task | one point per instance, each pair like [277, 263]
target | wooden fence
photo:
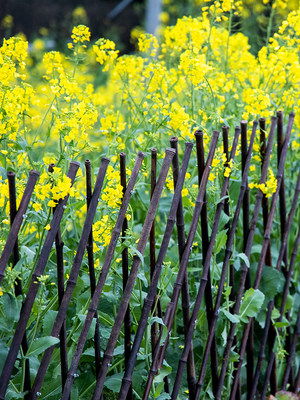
[257, 385]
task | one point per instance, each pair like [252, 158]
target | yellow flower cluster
[80, 34]
[52, 186]
[147, 43]
[113, 192]
[101, 232]
[105, 52]
[269, 187]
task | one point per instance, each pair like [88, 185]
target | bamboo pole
[59, 244]
[204, 277]
[265, 245]
[191, 377]
[149, 300]
[280, 258]
[205, 244]
[34, 285]
[244, 269]
[112, 341]
[16, 225]
[90, 253]
[272, 356]
[171, 308]
[71, 283]
[11, 177]
[127, 318]
[228, 253]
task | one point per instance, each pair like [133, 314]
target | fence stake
[107, 357]
[13, 234]
[34, 285]
[127, 318]
[228, 252]
[272, 357]
[72, 279]
[271, 303]
[204, 277]
[91, 263]
[191, 377]
[107, 261]
[16, 257]
[244, 269]
[59, 244]
[149, 300]
[264, 244]
[171, 308]
[205, 244]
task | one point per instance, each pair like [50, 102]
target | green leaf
[10, 308]
[281, 324]
[220, 241]
[244, 258]
[272, 282]
[137, 253]
[41, 344]
[165, 370]
[48, 322]
[114, 381]
[232, 317]
[251, 304]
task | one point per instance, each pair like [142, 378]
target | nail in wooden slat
[34, 285]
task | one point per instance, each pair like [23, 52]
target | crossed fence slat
[176, 213]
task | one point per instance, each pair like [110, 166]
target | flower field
[91, 102]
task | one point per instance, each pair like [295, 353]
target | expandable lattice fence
[257, 384]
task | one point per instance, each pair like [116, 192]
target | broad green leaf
[41, 344]
[244, 258]
[281, 324]
[48, 322]
[10, 308]
[114, 381]
[158, 389]
[165, 370]
[251, 304]
[272, 282]
[232, 317]
[220, 241]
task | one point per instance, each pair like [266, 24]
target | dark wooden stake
[205, 244]
[244, 268]
[191, 376]
[264, 245]
[282, 251]
[125, 273]
[34, 285]
[90, 253]
[71, 283]
[16, 225]
[171, 307]
[11, 177]
[204, 277]
[149, 300]
[59, 244]
[228, 253]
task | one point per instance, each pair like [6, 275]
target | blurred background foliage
[122, 21]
